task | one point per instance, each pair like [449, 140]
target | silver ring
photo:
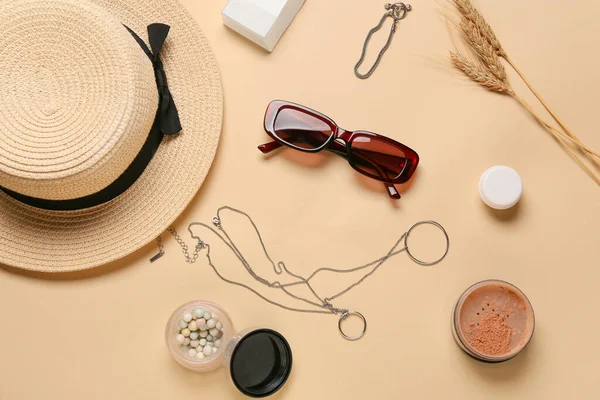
[346, 315]
[426, 262]
[399, 10]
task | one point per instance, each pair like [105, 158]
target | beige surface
[99, 335]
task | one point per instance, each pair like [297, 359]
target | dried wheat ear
[486, 69]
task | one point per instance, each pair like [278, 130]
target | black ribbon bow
[167, 112]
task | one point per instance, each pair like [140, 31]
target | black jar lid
[261, 363]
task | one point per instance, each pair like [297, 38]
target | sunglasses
[373, 155]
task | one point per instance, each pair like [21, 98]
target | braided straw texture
[81, 98]
[57, 241]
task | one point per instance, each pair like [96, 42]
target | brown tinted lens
[377, 158]
[301, 129]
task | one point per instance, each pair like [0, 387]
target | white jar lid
[500, 187]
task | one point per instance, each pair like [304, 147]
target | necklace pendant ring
[346, 315]
[415, 259]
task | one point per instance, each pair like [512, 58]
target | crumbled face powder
[491, 335]
[494, 319]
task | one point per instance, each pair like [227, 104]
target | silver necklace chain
[322, 305]
[395, 11]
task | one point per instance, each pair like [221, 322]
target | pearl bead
[214, 350]
[194, 335]
[187, 317]
[219, 325]
[207, 315]
[214, 332]
[198, 313]
[182, 324]
[180, 339]
[186, 341]
[200, 355]
[208, 350]
[193, 326]
[219, 335]
[210, 338]
[211, 323]
[192, 352]
[204, 328]
[185, 332]
[201, 322]
[203, 334]
[194, 343]
[217, 343]
[203, 342]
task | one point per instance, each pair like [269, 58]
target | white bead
[207, 315]
[192, 352]
[208, 350]
[186, 341]
[204, 328]
[185, 332]
[217, 343]
[187, 317]
[198, 312]
[182, 324]
[203, 342]
[219, 325]
[214, 350]
[180, 339]
[200, 355]
[211, 323]
[194, 335]
[201, 322]
[214, 332]
[194, 343]
[193, 326]
[203, 334]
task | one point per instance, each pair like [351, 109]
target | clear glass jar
[258, 361]
[180, 352]
[493, 321]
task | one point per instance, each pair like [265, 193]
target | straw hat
[93, 163]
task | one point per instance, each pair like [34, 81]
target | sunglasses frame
[333, 144]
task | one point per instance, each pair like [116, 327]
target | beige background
[99, 334]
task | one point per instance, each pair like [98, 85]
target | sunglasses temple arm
[269, 147]
[392, 191]
[389, 187]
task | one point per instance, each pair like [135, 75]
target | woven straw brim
[51, 241]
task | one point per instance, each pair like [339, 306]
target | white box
[262, 21]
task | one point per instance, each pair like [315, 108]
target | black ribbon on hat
[166, 122]
[167, 112]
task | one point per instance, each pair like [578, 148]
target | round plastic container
[180, 352]
[258, 361]
[493, 321]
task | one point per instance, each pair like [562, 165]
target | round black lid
[261, 363]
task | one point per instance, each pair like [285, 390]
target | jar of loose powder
[493, 321]
[201, 337]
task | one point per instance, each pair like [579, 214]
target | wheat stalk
[491, 74]
[482, 48]
[479, 74]
[470, 13]
[489, 80]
